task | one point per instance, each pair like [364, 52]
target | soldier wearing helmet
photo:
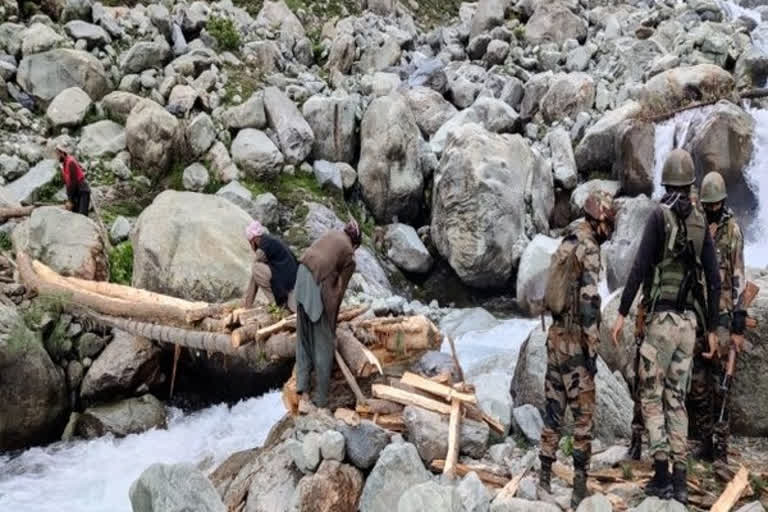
[675, 250]
[573, 338]
[706, 397]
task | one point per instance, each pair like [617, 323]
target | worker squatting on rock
[574, 300]
[274, 268]
[706, 398]
[675, 250]
[324, 273]
[78, 191]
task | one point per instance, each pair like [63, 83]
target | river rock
[333, 123]
[432, 363]
[489, 14]
[332, 446]
[634, 157]
[533, 272]
[430, 109]
[32, 388]
[102, 139]
[529, 422]
[595, 503]
[335, 487]
[342, 53]
[182, 100]
[755, 506]
[429, 432]
[533, 91]
[390, 164]
[569, 94]
[613, 413]
[249, 114]
[672, 89]
[406, 250]
[398, 469]
[751, 69]
[619, 252]
[327, 175]
[39, 38]
[430, 496]
[125, 365]
[494, 115]
[131, 416]
[170, 241]
[144, 55]
[477, 186]
[200, 134]
[153, 138]
[195, 177]
[492, 390]
[277, 15]
[67, 242]
[90, 345]
[504, 503]
[563, 162]
[723, 143]
[554, 22]
[256, 154]
[596, 151]
[292, 130]
[465, 84]
[45, 75]
[364, 443]
[11, 167]
[380, 55]
[93, 35]
[27, 187]
[473, 494]
[68, 108]
[174, 488]
[657, 505]
[118, 105]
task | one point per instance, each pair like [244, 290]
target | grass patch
[225, 33]
[567, 446]
[626, 472]
[121, 264]
[45, 194]
[241, 82]
[5, 241]
[252, 7]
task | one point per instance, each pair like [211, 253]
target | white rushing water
[94, 476]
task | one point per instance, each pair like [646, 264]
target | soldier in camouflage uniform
[572, 342]
[676, 248]
[706, 397]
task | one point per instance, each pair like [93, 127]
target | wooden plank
[350, 378]
[456, 359]
[510, 489]
[732, 491]
[474, 412]
[376, 405]
[462, 469]
[406, 398]
[454, 427]
[446, 392]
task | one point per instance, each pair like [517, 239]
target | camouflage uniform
[706, 397]
[571, 349]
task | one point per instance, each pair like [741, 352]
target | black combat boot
[545, 476]
[705, 451]
[579, 486]
[680, 483]
[660, 486]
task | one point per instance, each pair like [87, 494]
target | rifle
[636, 447]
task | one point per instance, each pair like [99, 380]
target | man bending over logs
[324, 273]
[274, 268]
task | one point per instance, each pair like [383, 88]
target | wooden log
[216, 324]
[441, 390]
[406, 398]
[349, 378]
[254, 332]
[354, 353]
[732, 492]
[477, 414]
[462, 469]
[13, 212]
[379, 406]
[212, 310]
[456, 359]
[510, 489]
[454, 426]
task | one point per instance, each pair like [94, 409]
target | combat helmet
[713, 188]
[678, 169]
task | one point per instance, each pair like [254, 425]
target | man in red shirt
[78, 191]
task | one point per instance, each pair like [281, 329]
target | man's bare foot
[305, 405]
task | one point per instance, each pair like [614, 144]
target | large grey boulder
[596, 150]
[277, 15]
[473, 494]
[390, 171]
[195, 177]
[221, 163]
[174, 488]
[430, 496]
[171, 242]
[153, 137]
[118, 105]
[671, 89]
[125, 365]
[333, 122]
[635, 157]
[528, 422]
[477, 202]
[554, 22]
[102, 139]
[256, 154]
[430, 109]
[533, 272]
[32, 388]
[292, 130]
[145, 55]
[535, 89]
[406, 250]
[659, 505]
[380, 55]
[200, 134]
[45, 75]
[364, 442]
[27, 187]
[67, 242]
[39, 38]
[398, 469]
[269, 480]
[12, 167]
[492, 390]
[489, 14]
[68, 108]
[619, 252]
[327, 175]
[93, 35]
[504, 503]
[429, 432]
[613, 412]
[263, 207]
[130, 416]
[494, 115]
[563, 160]
[569, 94]
[249, 114]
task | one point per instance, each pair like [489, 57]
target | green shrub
[121, 263]
[5, 242]
[225, 33]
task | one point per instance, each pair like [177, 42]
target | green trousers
[314, 351]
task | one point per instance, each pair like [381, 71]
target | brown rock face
[336, 487]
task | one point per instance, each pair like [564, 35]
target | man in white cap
[78, 191]
[274, 269]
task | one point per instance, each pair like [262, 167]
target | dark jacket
[283, 265]
[331, 259]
